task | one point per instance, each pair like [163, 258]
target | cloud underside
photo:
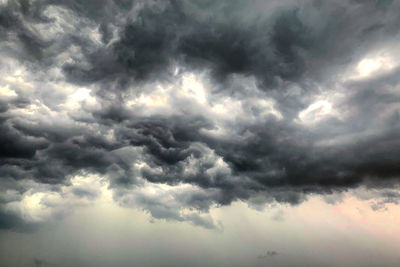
[202, 102]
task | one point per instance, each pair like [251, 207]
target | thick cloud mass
[213, 100]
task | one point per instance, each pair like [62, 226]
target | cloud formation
[210, 101]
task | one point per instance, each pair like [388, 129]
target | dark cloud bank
[293, 51]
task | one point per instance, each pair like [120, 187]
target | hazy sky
[199, 133]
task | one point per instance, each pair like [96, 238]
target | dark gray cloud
[11, 221]
[327, 129]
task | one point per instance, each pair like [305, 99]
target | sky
[199, 133]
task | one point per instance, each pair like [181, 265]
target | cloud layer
[182, 105]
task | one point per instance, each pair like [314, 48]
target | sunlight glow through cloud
[370, 66]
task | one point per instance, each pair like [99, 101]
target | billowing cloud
[184, 105]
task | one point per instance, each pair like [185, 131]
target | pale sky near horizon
[314, 233]
[199, 133]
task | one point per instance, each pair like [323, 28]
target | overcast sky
[199, 133]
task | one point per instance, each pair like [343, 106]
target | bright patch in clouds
[80, 96]
[6, 91]
[193, 88]
[316, 112]
[41, 203]
[372, 65]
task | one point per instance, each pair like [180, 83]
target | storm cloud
[208, 101]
